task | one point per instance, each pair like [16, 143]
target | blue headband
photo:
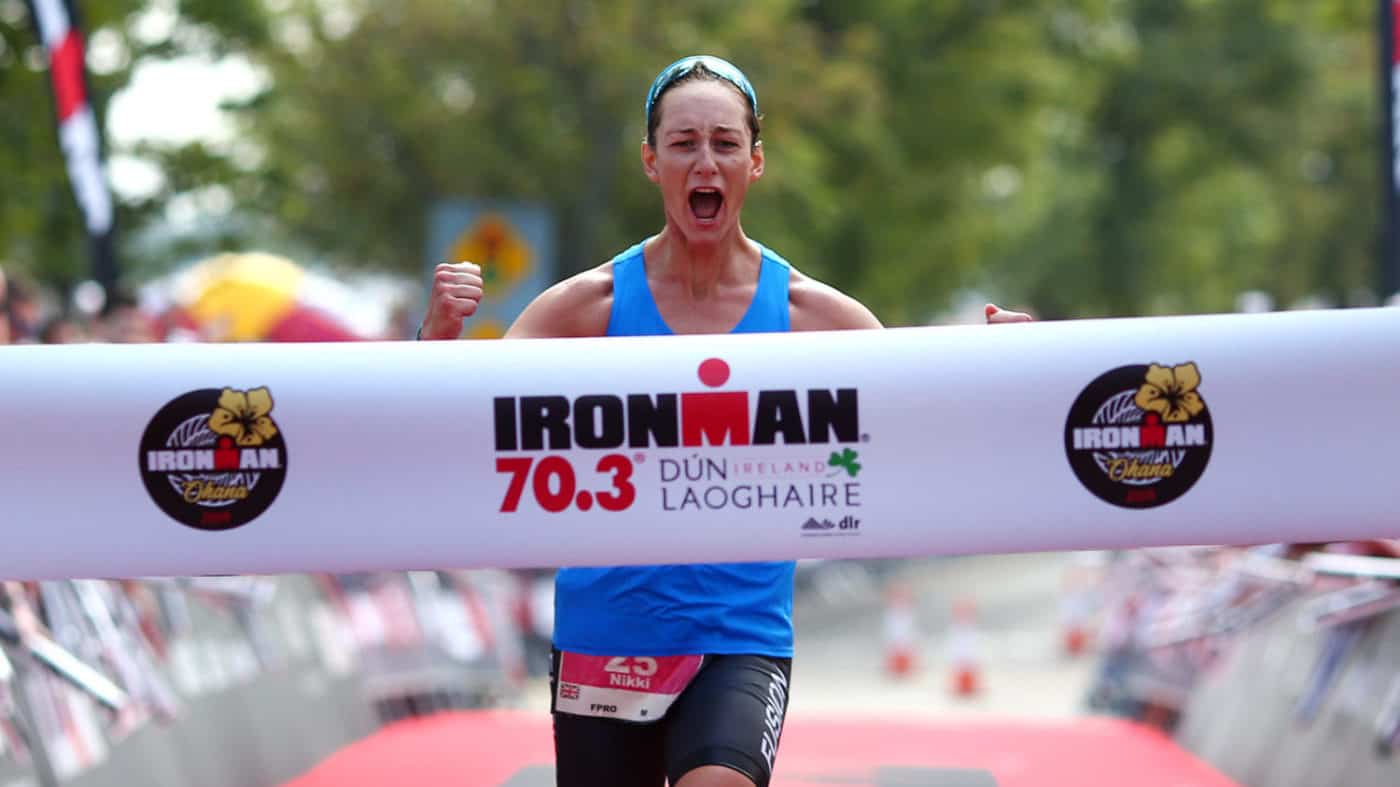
[721, 68]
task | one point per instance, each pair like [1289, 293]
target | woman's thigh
[730, 715]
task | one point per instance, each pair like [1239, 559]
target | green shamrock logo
[846, 459]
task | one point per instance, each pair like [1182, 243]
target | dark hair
[49, 333]
[696, 74]
[119, 298]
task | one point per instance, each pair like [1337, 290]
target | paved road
[839, 669]
[841, 646]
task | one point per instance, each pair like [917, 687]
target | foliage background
[1076, 157]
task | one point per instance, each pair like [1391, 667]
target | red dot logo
[714, 372]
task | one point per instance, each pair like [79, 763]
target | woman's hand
[457, 290]
[997, 315]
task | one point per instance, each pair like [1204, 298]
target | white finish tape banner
[197, 459]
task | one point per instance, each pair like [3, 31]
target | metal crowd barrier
[1280, 665]
[238, 681]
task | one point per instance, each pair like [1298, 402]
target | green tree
[1083, 158]
[372, 115]
[921, 189]
[1209, 148]
[41, 228]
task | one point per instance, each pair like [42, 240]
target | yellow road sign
[484, 329]
[501, 251]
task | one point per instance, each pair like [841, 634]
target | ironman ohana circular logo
[1140, 436]
[214, 459]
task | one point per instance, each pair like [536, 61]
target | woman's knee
[714, 776]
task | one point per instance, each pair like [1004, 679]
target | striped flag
[1389, 49]
[61, 35]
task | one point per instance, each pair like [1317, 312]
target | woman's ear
[649, 162]
[756, 169]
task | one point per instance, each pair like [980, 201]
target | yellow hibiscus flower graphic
[1171, 392]
[242, 415]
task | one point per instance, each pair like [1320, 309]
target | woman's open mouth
[705, 203]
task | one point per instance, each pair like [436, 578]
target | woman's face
[704, 159]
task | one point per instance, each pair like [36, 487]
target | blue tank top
[712, 608]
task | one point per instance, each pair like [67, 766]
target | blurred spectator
[403, 321]
[123, 322]
[63, 330]
[24, 311]
[4, 310]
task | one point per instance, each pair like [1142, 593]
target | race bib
[629, 688]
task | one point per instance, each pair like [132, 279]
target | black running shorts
[731, 715]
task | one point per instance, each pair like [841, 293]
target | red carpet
[496, 747]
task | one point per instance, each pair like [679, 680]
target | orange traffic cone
[901, 632]
[966, 678]
[1076, 607]
[1076, 640]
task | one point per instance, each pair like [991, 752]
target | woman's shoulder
[817, 306]
[596, 283]
[577, 306]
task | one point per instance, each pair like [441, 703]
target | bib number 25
[641, 666]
